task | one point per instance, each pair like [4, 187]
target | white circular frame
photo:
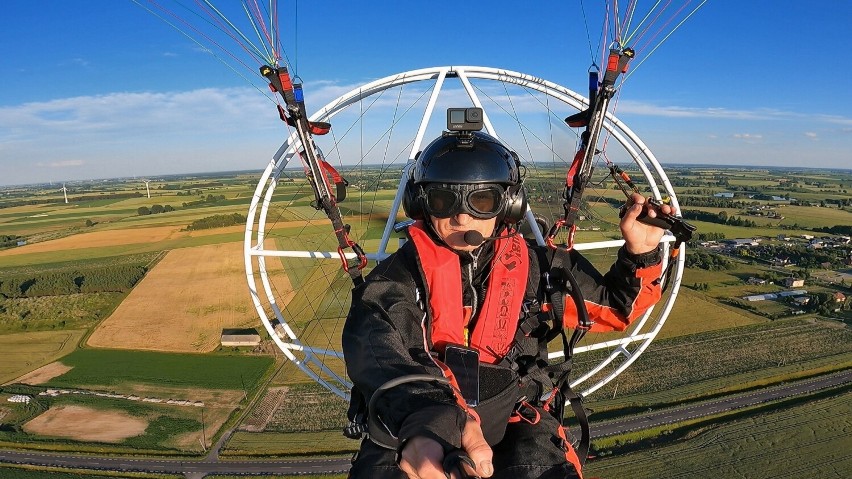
[312, 360]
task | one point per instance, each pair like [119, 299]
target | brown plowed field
[86, 424]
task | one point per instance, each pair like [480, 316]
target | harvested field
[98, 239]
[86, 424]
[24, 352]
[44, 374]
[183, 304]
[129, 236]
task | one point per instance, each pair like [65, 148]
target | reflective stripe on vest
[494, 330]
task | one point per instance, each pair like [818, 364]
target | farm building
[782, 294]
[724, 194]
[20, 398]
[793, 282]
[741, 242]
[793, 292]
[839, 297]
[760, 297]
[240, 337]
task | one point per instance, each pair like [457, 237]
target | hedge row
[118, 278]
[217, 221]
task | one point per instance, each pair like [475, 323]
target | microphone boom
[474, 238]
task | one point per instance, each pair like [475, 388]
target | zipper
[471, 268]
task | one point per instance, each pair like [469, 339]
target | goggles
[479, 201]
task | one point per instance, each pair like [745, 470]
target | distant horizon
[212, 173]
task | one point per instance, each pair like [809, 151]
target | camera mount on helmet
[462, 122]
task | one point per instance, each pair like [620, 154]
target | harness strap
[582, 446]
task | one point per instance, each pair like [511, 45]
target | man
[466, 289]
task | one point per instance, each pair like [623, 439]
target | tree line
[708, 261]
[720, 218]
[217, 221]
[118, 278]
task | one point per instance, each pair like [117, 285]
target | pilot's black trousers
[527, 451]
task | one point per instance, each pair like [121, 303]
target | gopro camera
[464, 119]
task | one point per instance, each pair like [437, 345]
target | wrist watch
[643, 260]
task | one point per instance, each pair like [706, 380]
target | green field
[714, 362]
[112, 367]
[804, 440]
[23, 472]
[272, 444]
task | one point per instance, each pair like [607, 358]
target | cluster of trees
[7, 241]
[720, 218]
[681, 181]
[845, 230]
[826, 203]
[217, 221]
[107, 196]
[824, 304]
[207, 200]
[709, 236]
[708, 261]
[180, 186]
[156, 209]
[712, 202]
[119, 278]
[798, 254]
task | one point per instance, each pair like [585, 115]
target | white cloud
[812, 135]
[62, 164]
[122, 134]
[750, 137]
[720, 113]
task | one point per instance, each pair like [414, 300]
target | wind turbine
[65, 193]
[147, 189]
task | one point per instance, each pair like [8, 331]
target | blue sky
[101, 88]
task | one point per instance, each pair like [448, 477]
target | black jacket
[387, 331]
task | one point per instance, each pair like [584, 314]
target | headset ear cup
[412, 201]
[516, 204]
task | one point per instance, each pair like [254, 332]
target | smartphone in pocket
[464, 363]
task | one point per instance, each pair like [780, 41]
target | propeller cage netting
[293, 268]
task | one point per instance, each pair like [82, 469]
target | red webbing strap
[339, 181]
[570, 454]
[572, 172]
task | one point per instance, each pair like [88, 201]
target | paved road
[727, 403]
[210, 465]
[178, 466]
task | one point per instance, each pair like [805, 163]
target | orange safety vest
[494, 330]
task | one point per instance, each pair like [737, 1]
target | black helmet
[470, 158]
